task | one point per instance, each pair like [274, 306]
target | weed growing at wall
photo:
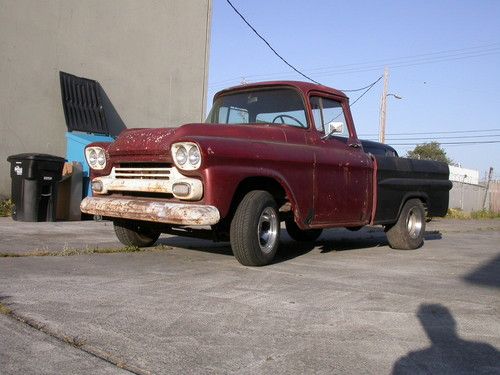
[454, 213]
[5, 207]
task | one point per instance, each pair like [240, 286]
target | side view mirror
[332, 128]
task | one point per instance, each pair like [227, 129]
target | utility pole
[383, 107]
[490, 175]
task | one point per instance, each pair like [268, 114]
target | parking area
[348, 304]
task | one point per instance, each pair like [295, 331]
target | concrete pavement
[350, 304]
[19, 237]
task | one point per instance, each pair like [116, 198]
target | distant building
[468, 176]
[151, 57]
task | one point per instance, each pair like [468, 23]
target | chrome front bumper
[147, 210]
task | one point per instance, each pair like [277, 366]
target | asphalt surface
[349, 305]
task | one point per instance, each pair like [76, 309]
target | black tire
[255, 229]
[300, 235]
[408, 232]
[133, 233]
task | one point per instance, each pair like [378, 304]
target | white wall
[151, 57]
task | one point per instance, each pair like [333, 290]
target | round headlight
[186, 155]
[181, 155]
[92, 157]
[96, 157]
[194, 155]
[101, 158]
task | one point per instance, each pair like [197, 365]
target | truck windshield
[266, 106]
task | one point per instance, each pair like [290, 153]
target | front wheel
[408, 232]
[255, 229]
[133, 233]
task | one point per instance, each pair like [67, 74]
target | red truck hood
[157, 141]
[147, 141]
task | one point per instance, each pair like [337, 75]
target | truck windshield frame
[276, 105]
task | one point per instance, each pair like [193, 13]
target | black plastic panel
[82, 104]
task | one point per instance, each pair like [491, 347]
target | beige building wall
[151, 58]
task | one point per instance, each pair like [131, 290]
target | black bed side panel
[399, 179]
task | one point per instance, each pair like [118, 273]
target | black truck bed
[399, 179]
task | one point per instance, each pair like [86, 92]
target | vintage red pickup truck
[268, 153]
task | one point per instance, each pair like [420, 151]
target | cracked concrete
[25, 350]
[350, 304]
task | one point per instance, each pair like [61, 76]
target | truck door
[343, 171]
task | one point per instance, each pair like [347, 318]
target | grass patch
[4, 309]
[485, 215]
[5, 207]
[455, 213]
[85, 251]
[93, 250]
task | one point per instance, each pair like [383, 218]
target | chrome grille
[143, 173]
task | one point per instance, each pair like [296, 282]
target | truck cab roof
[303, 87]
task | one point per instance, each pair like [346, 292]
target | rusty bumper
[147, 210]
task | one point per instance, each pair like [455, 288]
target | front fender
[222, 183]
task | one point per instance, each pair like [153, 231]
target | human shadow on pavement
[448, 353]
[487, 274]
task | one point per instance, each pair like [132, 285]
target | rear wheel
[255, 229]
[133, 233]
[408, 232]
[309, 235]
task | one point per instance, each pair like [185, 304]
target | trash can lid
[37, 157]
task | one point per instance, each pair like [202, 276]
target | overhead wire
[398, 62]
[366, 87]
[438, 138]
[290, 65]
[441, 132]
[269, 45]
[488, 48]
[369, 87]
[447, 143]
[456, 55]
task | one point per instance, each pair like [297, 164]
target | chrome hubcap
[414, 223]
[267, 231]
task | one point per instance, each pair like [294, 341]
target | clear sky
[443, 57]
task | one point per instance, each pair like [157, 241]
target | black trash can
[34, 186]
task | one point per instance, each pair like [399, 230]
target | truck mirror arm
[326, 136]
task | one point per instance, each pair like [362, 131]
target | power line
[447, 143]
[366, 87]
[270, 47]
[488, 48]
[401, 64]
[443, 132]
[397, 62]
[438, 138]
[363, 94]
